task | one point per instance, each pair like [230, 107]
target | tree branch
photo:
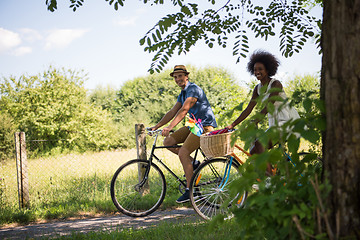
[323, 211]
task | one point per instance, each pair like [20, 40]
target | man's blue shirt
[201, 109]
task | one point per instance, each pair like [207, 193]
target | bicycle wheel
[132, 194]
[209, 188]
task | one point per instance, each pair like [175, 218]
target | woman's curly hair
[269, 60]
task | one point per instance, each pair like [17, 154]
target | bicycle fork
[225, 178]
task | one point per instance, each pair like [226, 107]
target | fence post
[22, 170]
[140, 136]
[140, 141]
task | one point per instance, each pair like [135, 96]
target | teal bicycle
[209, 187]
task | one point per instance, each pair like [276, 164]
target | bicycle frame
[233, 156]
[152, 156]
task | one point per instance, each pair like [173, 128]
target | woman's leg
[259, 148]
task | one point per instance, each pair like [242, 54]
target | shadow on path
[98, 224]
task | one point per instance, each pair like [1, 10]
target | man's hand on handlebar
[154, 130]
[151, 128]
[166, 131]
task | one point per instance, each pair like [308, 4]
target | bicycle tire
[128, 197]
[207, 197]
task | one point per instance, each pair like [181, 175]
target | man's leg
[191, 143]
[186, 161]
[177, 137]
[170, 141]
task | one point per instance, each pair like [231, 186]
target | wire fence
[58, 177]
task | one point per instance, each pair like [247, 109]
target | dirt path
[97, 224]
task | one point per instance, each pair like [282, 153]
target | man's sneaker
[185, 197]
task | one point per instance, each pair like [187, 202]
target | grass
[72, 185]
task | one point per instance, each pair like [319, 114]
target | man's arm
[181, 113]
[168, 116]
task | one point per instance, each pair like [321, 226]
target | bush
[53, 106]
[152, 96]
[7, 130]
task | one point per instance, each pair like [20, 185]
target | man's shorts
[190, 140]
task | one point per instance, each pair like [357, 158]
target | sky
[105, 43]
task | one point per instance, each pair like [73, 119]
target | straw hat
[179, 68]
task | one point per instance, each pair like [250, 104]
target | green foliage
[103, 97]
[153, 95]
[306, 98]
[287, 205]
[53, 106]
[213, 22]
[300, 85]
[149, 98]
[178, 32]
[51, 5]
[146, 99]
[3, 202]
[7, 130]
[313, 3]
[220, 88]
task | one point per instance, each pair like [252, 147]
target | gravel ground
[106, 223]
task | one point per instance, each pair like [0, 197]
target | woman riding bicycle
[192, 99]
[263, 65]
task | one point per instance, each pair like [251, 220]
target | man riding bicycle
[191, 99]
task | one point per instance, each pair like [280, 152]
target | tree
[146, 99]
[7, 130]
[340, 89]
[103, 97]
[53, 106]
[155, 94]
[176, 33]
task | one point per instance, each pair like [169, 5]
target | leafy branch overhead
[177, 32]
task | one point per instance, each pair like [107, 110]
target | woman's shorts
[190, 141]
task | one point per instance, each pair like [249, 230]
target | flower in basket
[194, 125]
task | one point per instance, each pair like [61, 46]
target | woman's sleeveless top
[283, 112]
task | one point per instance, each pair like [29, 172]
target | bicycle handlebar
[153, 132]
[156, 132]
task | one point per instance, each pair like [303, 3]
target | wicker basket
[216, 145]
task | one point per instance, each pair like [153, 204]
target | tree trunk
[340, 82]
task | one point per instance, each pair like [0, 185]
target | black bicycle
[138, 187]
